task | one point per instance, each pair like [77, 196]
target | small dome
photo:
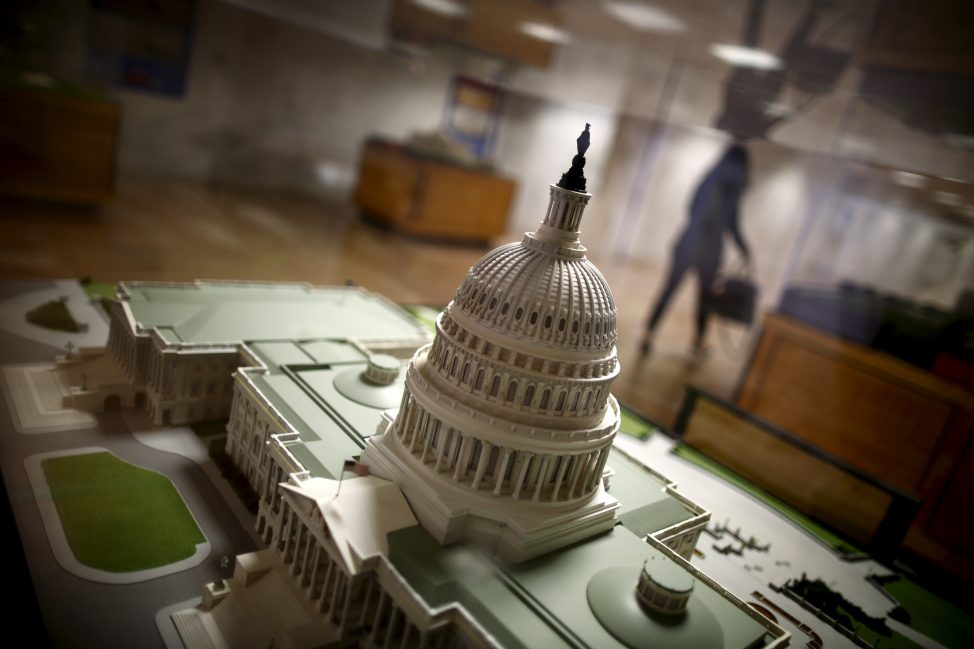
[380, 385]
[527, 292]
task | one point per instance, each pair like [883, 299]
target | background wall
[283, 95]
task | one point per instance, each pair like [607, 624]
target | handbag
[733, 297]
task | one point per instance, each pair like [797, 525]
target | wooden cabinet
[430, 198]
[886, 417]
[57, 145]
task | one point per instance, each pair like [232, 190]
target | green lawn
[104, 290]
[801, 520]
[932, 616]
[426, 315]
[119, 517]
[633, 424]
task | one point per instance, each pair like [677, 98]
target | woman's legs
[678, 268]
[706, 275]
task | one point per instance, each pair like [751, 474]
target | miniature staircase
[191, 629]
[35, 399]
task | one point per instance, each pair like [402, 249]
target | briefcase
[732, 297]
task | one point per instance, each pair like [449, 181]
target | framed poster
[141, 44]
[471, 114]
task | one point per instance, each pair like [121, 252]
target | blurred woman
[713, 212]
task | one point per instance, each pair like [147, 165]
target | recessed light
[544, 32]
[442, 7]
[947, 198]
[908, 179]
[645, 17]
[746, 57]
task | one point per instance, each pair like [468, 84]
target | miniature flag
[356, 467]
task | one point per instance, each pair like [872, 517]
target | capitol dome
[524, 291]
[506, 420]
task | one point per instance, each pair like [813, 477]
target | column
[434, 429]
[323, 602]
[482, 464]
[581, 461]
[502, 470]
[463, 458]
[525, 460]
[542, 477]
[368, 597]
[393, 619]
[315, 565]
[599, 468]
[561, 475]
[446, 441]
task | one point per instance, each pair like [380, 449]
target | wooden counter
[889, 418]
[429, 198]
[56, 145]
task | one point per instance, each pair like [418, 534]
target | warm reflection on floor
[180, 231]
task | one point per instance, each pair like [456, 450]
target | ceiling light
[947, 198]
[778, 109]
[442, 7]
[746, 57]
[908, 179]
[545, 32]
[644, 17]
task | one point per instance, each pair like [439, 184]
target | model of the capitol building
[506, 422]
[477, 514]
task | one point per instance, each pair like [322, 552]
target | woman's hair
[734, 165]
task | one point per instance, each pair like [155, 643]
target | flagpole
[340, 478]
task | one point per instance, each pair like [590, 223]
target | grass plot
[118, 517]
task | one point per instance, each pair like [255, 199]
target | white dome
[524, 291]
[507, 418]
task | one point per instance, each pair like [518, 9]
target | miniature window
[575, 327]
[505, 307]
[534, 318]
[466, 373]
[518, 313]
[561, 402]
[480, 300]
[495, 386]
[561, 324]
[547, 321]
[493, 303]
[529, 395]
[480, 380]
[453, 367]
[545, 396]
[575, 402]
[511, 390]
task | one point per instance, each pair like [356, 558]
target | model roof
[211, 312]
[543, 602]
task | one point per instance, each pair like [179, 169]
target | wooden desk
[56, 145]
[430, 198]
[893, 420]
